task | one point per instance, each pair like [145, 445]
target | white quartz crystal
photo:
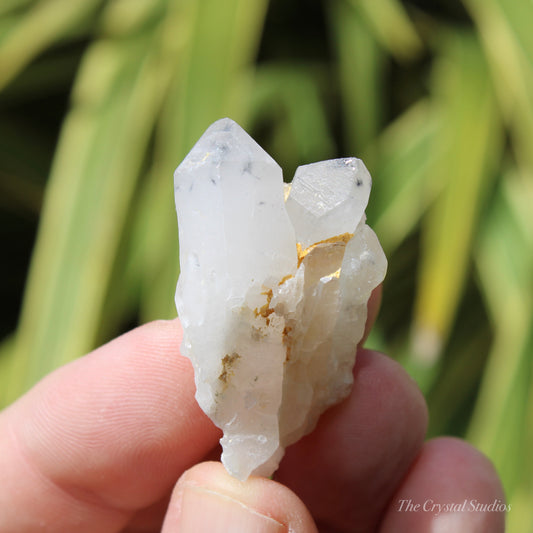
[272, 294]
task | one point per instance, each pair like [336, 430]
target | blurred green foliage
[436, 97]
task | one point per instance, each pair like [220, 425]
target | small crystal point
[272, 295]
[328, 198]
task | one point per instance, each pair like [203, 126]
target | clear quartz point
[272, 293]
[328, 198]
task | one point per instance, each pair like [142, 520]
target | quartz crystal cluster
[273, 289]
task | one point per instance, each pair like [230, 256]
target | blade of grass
[135, 252]
[152, 238]
[521, 518]
[467, 148]
[360, 65]
[288, 96]
[400, 195]
[392, 26]
[505, 29]
[100, 152]
[505, 262]
[123, 17]
[45, 23]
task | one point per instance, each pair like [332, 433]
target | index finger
[103, 436]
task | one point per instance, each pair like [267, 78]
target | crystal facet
[272, 293]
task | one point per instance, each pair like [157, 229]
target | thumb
[207, 499]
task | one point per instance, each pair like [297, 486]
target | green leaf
[392, 26]
[400, 195]
[521, 518]
[505, 262]
[505, 29]
[45, 23]
[100, 153]
[360, 65]
[467, 148]
[288, 97]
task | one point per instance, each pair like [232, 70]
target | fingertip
[387, 378]
[451, 486]
[206, 498]
[457, 455]
[123, 413]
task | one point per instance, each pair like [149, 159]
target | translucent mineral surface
[272, 292]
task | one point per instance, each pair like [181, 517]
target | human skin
[115, 441]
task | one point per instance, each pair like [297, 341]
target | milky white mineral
[273, 289]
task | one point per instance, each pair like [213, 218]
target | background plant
[101, 99]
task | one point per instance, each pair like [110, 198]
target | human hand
[97, 446]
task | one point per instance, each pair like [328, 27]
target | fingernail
[211, 512]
